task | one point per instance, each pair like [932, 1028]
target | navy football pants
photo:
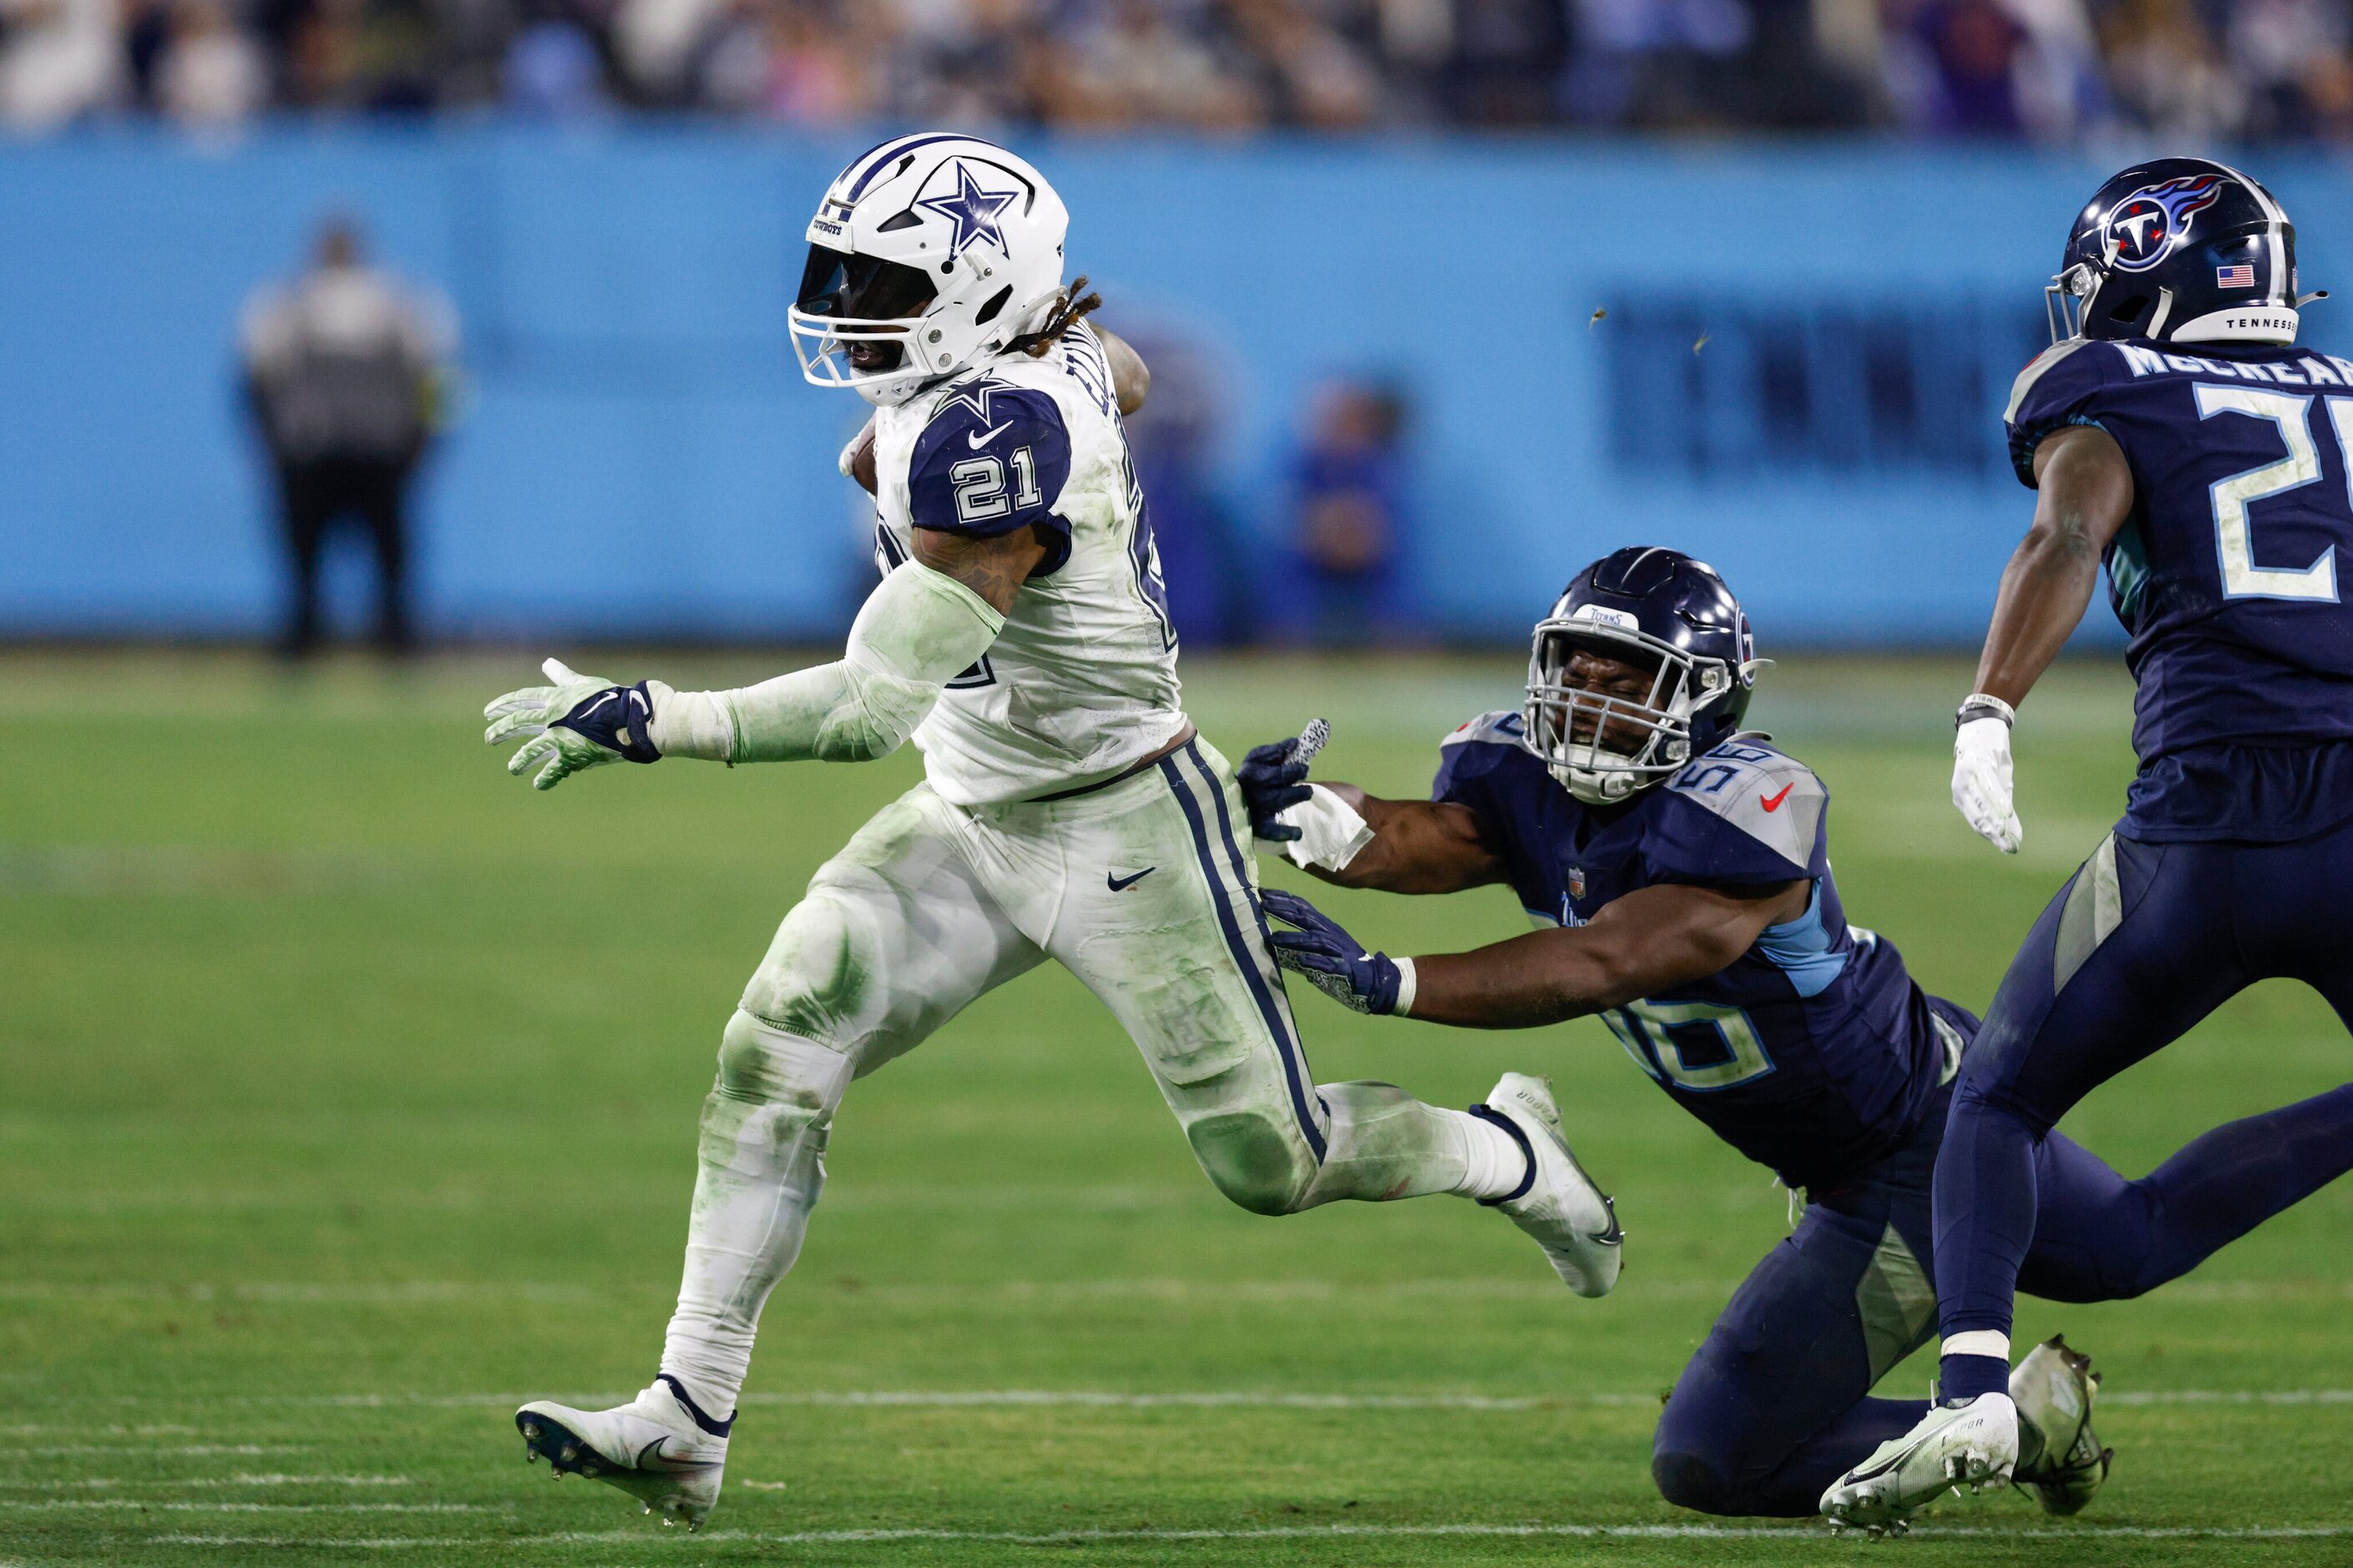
[2143, 942]
[1774, 1407]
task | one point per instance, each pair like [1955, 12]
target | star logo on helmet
[973, 210]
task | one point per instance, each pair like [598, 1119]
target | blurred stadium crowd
[2046, 70]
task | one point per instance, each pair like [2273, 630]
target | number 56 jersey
[1813, 1053]
[2230, 572]
[1081, 683]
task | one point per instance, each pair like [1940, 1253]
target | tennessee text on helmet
[928, 254]
[1656, 610]
[2178, 251]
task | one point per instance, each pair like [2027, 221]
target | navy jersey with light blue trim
[1814, 1053]
[992, 460]
[2229, 573]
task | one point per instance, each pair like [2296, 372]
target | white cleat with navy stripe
[658, 1448]
[1569, 1215]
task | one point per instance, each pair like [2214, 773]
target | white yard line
[176, 1450]
[1306, 1532]
[1107, 1399]
[49, 1504]
[241, 1480]
[998, 1293]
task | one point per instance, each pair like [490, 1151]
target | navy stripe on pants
[1294, 1065]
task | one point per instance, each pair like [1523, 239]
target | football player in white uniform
[1069, 809]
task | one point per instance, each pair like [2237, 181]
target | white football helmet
[929, 254]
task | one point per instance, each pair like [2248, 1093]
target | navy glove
[1330, 959]
[1274, 779]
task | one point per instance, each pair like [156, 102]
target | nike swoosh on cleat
[977, 440]
[1122, 884]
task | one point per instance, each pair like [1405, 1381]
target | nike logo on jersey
[1122, 884]
[979, 438]
[1772, 802]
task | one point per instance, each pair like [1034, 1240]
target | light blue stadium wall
[638, 456]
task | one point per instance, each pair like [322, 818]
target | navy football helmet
[2180, 250]
[1645, 606]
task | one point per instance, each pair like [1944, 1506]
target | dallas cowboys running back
[2178, 433]
[1068, 810]
[1679, 871]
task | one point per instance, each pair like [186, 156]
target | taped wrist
[1981, 706]
[915, 633]
[1330, 831]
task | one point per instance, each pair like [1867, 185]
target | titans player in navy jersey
[1680, 871]
[2178, 433]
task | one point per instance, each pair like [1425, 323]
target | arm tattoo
[993, 568]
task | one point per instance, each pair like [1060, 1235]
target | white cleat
[653, 1448]
[2059, 1462]
[1972, 1445]
[1570, 1216]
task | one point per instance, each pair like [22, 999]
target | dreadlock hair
[1069, 312]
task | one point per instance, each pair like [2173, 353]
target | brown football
[861, 460]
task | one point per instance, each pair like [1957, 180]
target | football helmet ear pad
[942, 247]
[2178, 251]
[1657, 610]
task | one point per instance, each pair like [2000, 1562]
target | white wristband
[1978, 705]
[1405, 987]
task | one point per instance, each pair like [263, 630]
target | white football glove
[1982, 790]
[580, 723]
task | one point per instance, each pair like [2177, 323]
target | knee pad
[1689, 1481]
[814, 980]
[762, 1065]
[1255, 1159]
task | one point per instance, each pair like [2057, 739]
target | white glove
[1981, 775]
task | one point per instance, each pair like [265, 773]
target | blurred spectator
[552, 71]
[1351, 525]
[2166, 72]
[343, 371]
[2049, 70]
[209, 75]
[59, 59]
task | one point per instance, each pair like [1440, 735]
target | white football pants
[1145, 889]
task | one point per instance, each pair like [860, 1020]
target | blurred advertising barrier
[1788, 358]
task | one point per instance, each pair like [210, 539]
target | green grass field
[350, 1091]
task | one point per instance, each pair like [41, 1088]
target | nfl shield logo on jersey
[1577, 881]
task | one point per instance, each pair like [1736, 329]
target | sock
[1496, 1161]
[1974, 1361]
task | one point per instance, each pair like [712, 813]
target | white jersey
[1082, 682]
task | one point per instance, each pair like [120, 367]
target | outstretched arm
[1649, 940]
[2085, 492]
[928, 621]
[1340, 834]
